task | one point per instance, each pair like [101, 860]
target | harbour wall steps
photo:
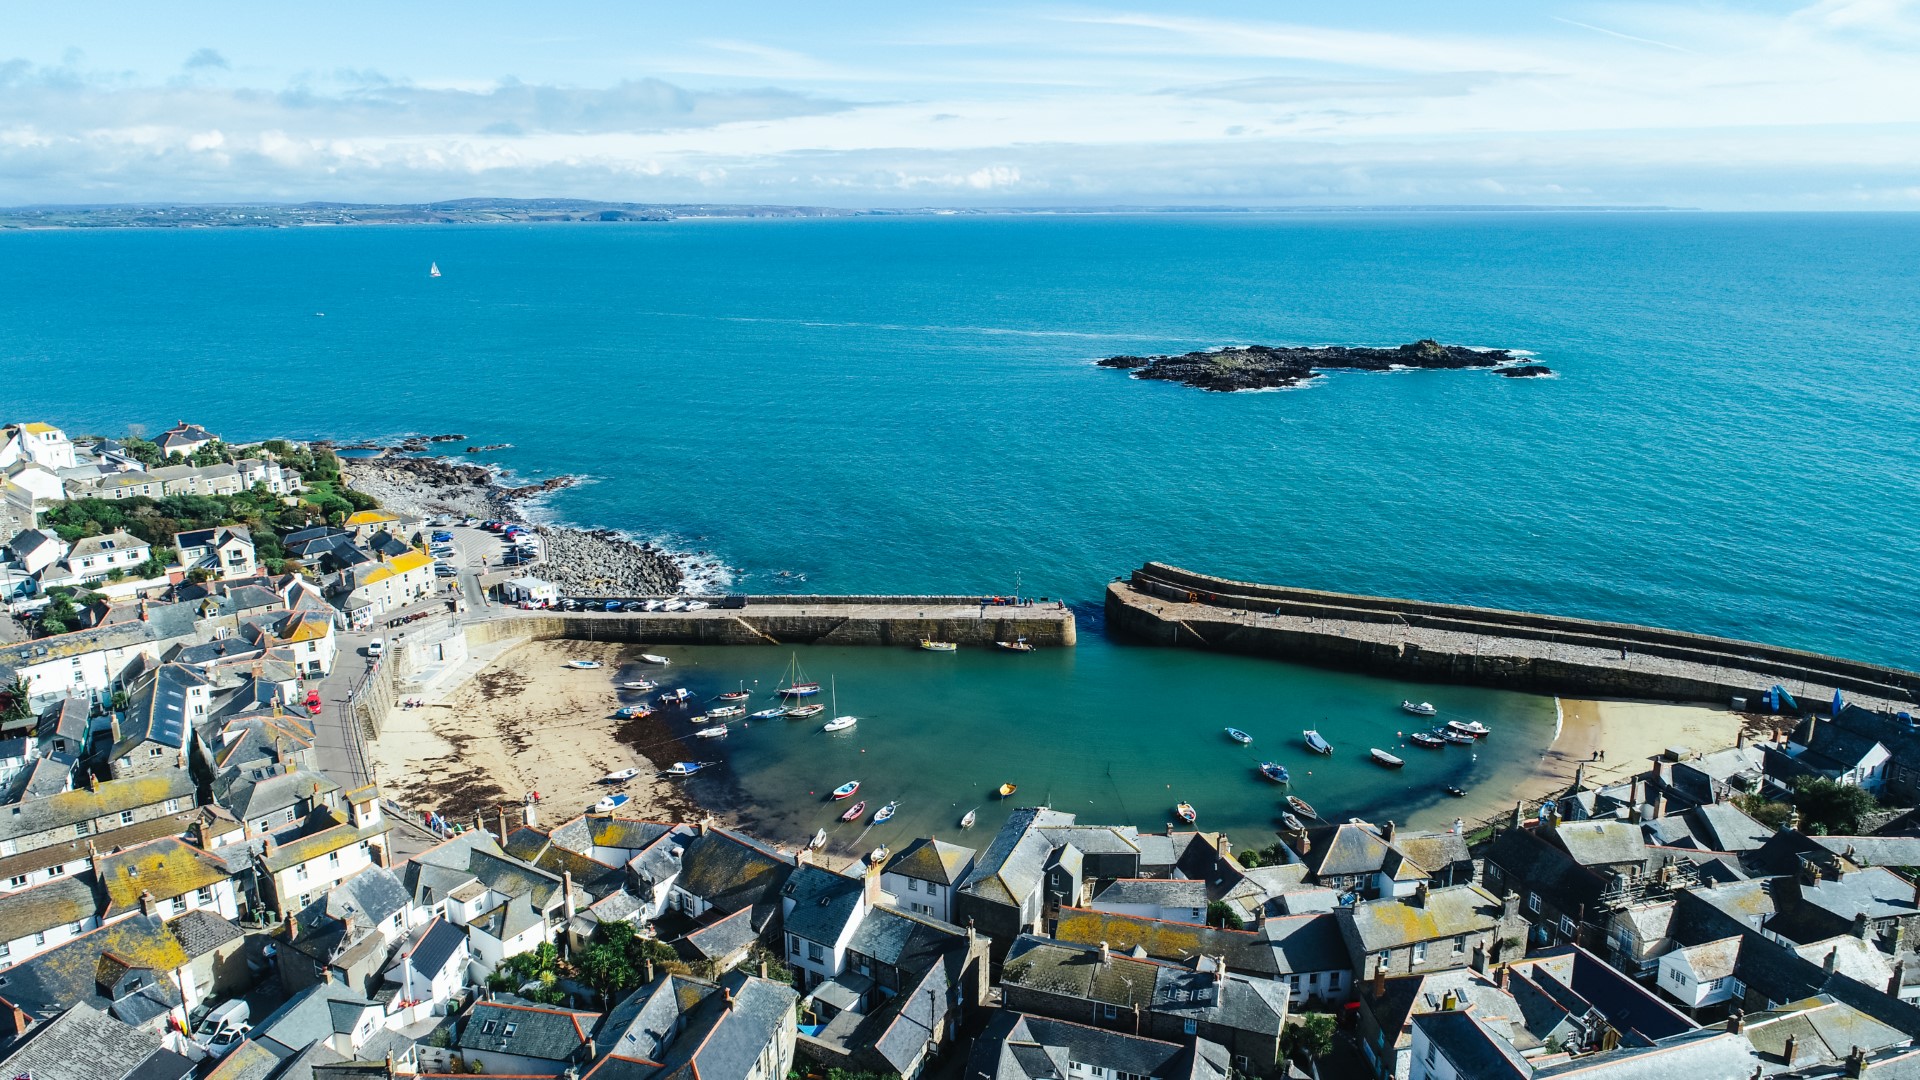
[1431, 642]
[802, 620]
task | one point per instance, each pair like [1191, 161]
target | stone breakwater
[1262, 367]
[582, 562]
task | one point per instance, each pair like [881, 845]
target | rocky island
[1262, 367]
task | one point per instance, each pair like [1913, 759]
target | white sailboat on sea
[433, 269]
[839, 723]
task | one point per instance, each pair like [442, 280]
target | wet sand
[529, 723]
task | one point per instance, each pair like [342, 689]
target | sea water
[910, 405]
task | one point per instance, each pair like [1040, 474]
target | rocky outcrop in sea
[1263, 367]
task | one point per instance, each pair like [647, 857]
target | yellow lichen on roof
[300, 628]
[1167, 939]
[412, 560]
[378, 573]
[166, 868]
[370, 517]
[113, 796]
[38, 428]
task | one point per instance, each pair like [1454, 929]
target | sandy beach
[528, 723]
[1627, 733]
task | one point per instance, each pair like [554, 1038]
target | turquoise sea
[909, 404]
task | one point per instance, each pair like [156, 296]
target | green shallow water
[1114, 733]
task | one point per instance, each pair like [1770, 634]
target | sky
[1281, 103]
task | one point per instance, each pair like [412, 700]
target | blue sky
[1754, 106]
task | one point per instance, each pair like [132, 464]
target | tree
[1310, 1034]
[1220, 913]
[533, 975]
[58, 616]
[608, 963]
[1765, 811]
[1835, 808]
[13, 699]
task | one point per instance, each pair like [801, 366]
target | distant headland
[1262, 367]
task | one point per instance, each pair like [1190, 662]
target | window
[176, 905]
[488, 1027]
[40, 937]
[1419, 951]
[793, 944]
[56, 871]
[814, 952]
[932, 889]
[126, 817]
[1566, 926]
[1108, 1012]
[333, 858]
[18, 881]
[1459, 944]
[173, 805]
[205, 896]
[1191, 1025]
[300, 872]
[156, 751]
[78, 928]
[507, 1030]
[82, 828]
[913, 885]
[1099, 1070]
[1533, 902]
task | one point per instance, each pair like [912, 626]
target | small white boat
[885, 812]
[676, 697]
[1473, 728]
[938, 646]
[819, 840]
[612, 802]
[1317, 743]
[768, 714]
[846, 790]
[1239, 736]
[620, 777]
[841, 723]
[878, 856]
[1016, 645]
[1418, 708]
[584, 665]
[717, 731]
[433, 269]
[686, 768]
[639, 685]
[971, 816]
[726, 712]
[1381, 757]
[654, 658]
[801, 712]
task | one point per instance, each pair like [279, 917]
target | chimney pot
[1832, 957]
[1736, 1021]
[1786, 1050]
[1862, 926]
[1387, 833]
[1106, 954]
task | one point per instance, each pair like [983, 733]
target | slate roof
[1599, 843]
[1013, 865]
[1434, 851]
[905, 940]
[167, 867]
[1304, 943]
[643, 1022]
[72, 973]
[66, 719]
[430, 949]
[201, 931]
[731, 871]
[1076, 971]
[1376, 925]
[1873, 850]
[1158, 892]
[1337, 850]
[247, 1061]
[819, 903]
[106, 800]
[113, 541]
[1530, 864]
[1471, 1048]
[329, 838]
[1020, 1046]
[59, 902]
[929, 859]
[1829, 906]
[727, 1043]
[81, 1043]
[1713, 960]
[1824, 1032]
[1725, 828]
[725, 937]
[318, 1012]
[546, 1032]
[1177, 942]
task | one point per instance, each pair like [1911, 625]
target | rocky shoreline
[582, 562]
[1262, 367]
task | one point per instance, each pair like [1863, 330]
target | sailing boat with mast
[433, 269]
[839, 723]
[797, 683]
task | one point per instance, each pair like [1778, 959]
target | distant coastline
[171, 215]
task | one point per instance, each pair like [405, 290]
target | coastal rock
[1526, 371]
[1262, 367]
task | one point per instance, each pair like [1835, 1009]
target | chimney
[1519, 815]
[1420, 895]
[1861, 926]
[1856, 1063]
[871, 885]
[1387, 833]
[143, 611]
[267, 846]
[479, 822]
[1580, 776]
[1225, 848]
[1380, 977]
[649, 969]
[146, 902]
[503, 823]
[1506, 973]
[1106, 954]
[293, 927]
[1899, 977]
[1786, 1050]
[1510, 906]
[93, 858]
[763, 966]
[566, 888]
[1306, 844]
[1660, 806]
[1827, 962]
[726, 999]
[1736, 1021]
[706, 823]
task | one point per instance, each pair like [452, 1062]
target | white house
[1702, 974]
[923, 875]
[165, 877]
[44, 917]
[38, 481]
[374, 589]
[430, 968]
[821, 910]
[183, 439]
[85, 662]
[300, 869]
[34, 550]
[94, 557]
[226, 551]
[44, 445]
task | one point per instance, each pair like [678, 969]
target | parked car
[375, 648]
[443, 537]
[443, 570]
[312, 703]
[612, 605]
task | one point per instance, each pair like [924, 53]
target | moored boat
[584, 665]
[938, 646]
[654, 658]
[885, 812]
[877, 855]
[717, 731]
[1239, 736]
[1431, 742]
[1302, 807]
[1021, 645]
[768, 714]
[734, 695]
[632, 712]
[853, 812]
[675, 697]
[1291, 823]
[1418, 708]
[612, 802]
[1381, 757]
[801, 712]
[620, 777]
[726, 712]
[1456, 792]
[1454, 737]
[686, 768]
[638, 685]
[1185, 812]
[971, 816]
[819, 840]
[1008, 789]
[840, 723]
[1472, 728]
[805, 689]
[846, 789]
[1315, 743]
[1274, 771]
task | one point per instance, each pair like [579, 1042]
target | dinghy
[819, 840]
[620, 777]
[639, 685]
[877, 856]
[726, 712]
[1418, 708]
[1302, 807]
[801, 712]
[1274, 771]
[632, 712]
[885, 812]
[807, 689]
[1381, 757]
[1239, 736]
[1315, 743]
[1020, 645]
[654, 658]
[1008, 789]
[717, 731]
[1186, 812]
[768, 714]
[734, 695]
[675, 697]
[853, 812]
[1456, 792]
[971, 816]
[685, 768]
[612, 802]
[1454, 737]
[846, 790]
[1431, 742]
[1291, 823]
[583, 665]
[938, 646]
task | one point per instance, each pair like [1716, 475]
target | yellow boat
[1008, 789]
[938, 646]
